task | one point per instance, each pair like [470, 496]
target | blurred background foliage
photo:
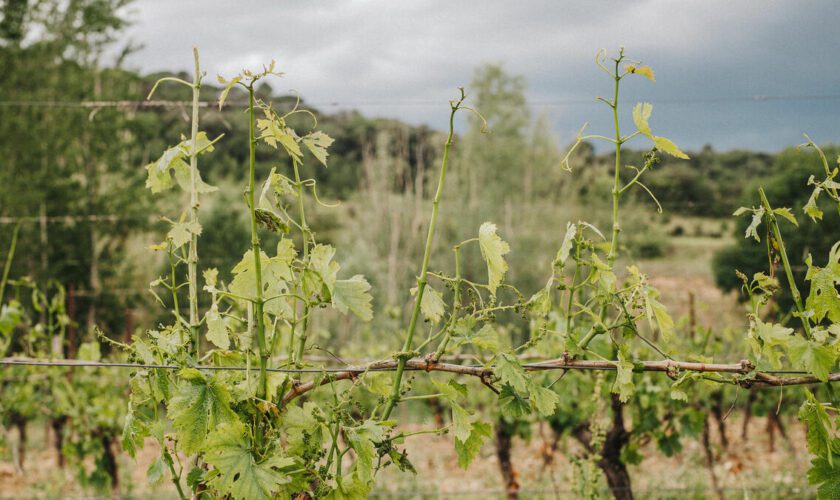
[72, 176]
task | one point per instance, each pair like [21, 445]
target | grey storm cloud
[714, 59]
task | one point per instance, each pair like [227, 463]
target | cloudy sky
[730, 73]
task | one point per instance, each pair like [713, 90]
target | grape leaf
[432, 305]
[200, 404]
[239, 474]
[317, 143]
[667, 146]
[826, 474]
[811, 208]
[363, 440]
[451, 390]
[566, 246]
[349, 487]
[352, 294]
[641, 115]
[543, 399]
[811, 356]
[510, 372]
[645, 71]
[461, 426]
[156, 470]
[228, 86]
[468, 450]
[787, 214]
[182, 232]
[512, 404]
[134, 432]
[305, 430]
[752, 228]
[540, 303]
[216, 329]
[623, 385]
[493, 249]
[818, 436]
[823, 298]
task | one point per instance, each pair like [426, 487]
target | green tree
[787, 188]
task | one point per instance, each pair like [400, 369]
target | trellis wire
[744, 367]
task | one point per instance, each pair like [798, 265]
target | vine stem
[8, 265]
[304, 232]
[456, 303]
[192, 260]
[794, 290]
[256, 248]
[616, 192]
[573, 289]
[422, 279]
[176, 478]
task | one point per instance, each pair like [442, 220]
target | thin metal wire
[164, 104]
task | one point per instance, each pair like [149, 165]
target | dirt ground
[747, 469]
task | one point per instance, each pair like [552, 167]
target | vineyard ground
[746, 468]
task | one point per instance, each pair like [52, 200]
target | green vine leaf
[512, 404]
[811, 208]
[239, 473]
[543, 400]
[493, 250]
[156, 470]
[461, 425]
[432, 305]
[352, 294]
[566, 246]
[317, 143]
[217, 332]
[469, 449]
[451, 390]
[667, 146]
[811, 356]
[510, 372]
[182, 232]
[757, 216]
[645, 71]
[820, 435]
[787, 214]
[363, 440]
[320, 278]
[228, 86]
[823, 298]
[641, 116]
[199, 405]
[173, 162]
[134, 431]
[540, 303]
[623, 385]
[826, 473]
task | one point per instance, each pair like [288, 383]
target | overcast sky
[714, 59]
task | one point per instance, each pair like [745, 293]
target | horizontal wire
[155, 104]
